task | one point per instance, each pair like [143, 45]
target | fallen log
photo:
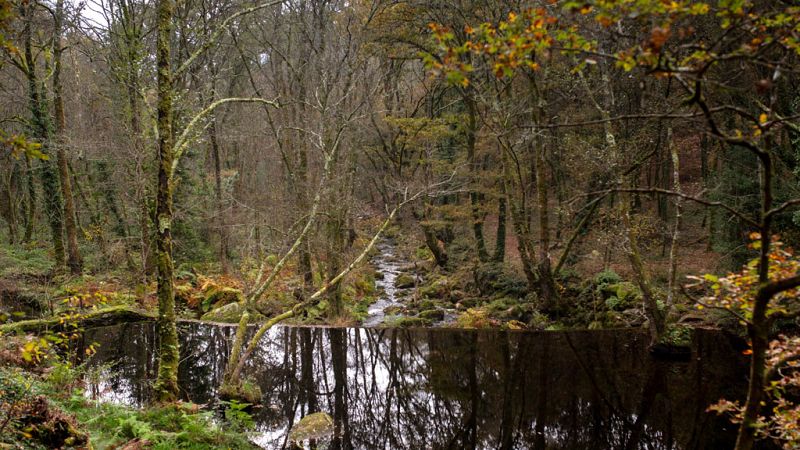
[113, 315]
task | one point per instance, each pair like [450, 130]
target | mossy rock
[519, 313]
[469, 302]
[394, 310]
[438, 288]
[627, 291]
[456, 295]
[425, 304]
[404, 280]
[218, 297]
[502, 304]
[435, 315]
[230, 313]
[312, 427]
[409, 322]
[606, 277]
[596, 325]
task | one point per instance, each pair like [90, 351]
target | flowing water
[387, 264]
[451, 389]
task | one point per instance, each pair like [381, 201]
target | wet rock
[312, 427]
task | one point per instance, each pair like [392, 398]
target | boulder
[230, 313]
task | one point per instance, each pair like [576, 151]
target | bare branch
[187, 136]
[218, 32]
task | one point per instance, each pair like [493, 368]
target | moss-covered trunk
[74, 261]
[475, 196]
[42, 130]
[167, 382]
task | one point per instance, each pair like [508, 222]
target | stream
[449, 389]
[388, 265]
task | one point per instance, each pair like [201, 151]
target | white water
[389, 266]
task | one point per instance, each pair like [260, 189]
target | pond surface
[452, 389]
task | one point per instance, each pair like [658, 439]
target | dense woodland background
[350, 76]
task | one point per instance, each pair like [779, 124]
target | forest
[399, 224]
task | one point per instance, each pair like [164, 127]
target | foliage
[175, 426]
[475, 318]
[783, 424]
[237, 416]
[736, 292]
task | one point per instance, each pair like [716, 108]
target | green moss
[24, 261]
[112, 425]
[423, 253]
[408, 322]
[404, 280]
[434, 315]
[606, 277]
[437, 288]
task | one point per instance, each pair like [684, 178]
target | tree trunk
[548, 295]
[73, 254]
[759, 324]
[673, 250]
[221, 231]
[654, 315]
[42, 131]
[30, 205]
[474, 195]
[500, 237]
[166, 386]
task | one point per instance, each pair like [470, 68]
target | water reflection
[451, 389]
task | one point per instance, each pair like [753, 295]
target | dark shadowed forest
[399, 224]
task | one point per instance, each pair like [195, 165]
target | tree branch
[186, 137]
[218, 32]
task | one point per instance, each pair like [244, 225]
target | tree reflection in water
[452, 389]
